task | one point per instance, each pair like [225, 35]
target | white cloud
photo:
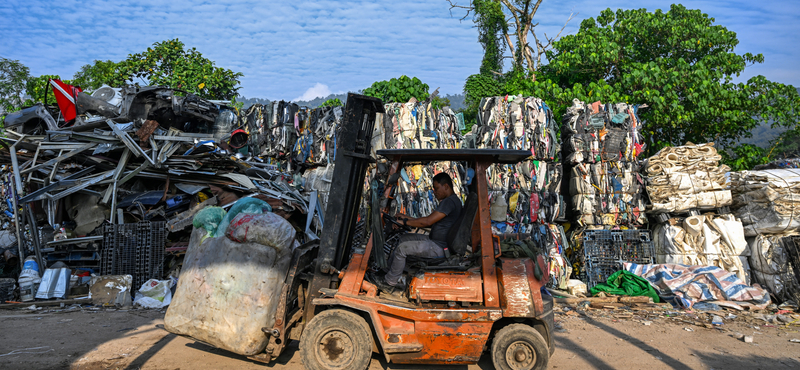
[317, 91]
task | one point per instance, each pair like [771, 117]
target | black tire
[519, 347]
[336, 339]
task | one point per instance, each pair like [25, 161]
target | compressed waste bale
[516, 122]
[767, 201]
[416, 125]
[705, 240]
[769, 263]
[227, 290]
[685, 177]
[602, 145]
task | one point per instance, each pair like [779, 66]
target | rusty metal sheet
[446, 343]
[515, 292]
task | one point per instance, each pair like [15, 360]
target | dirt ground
[84, 339]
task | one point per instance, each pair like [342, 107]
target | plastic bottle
[29, 279]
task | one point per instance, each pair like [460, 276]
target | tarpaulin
[626, 283]
[691, 284]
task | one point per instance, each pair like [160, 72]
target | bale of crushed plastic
[228, 291]
[684, 177]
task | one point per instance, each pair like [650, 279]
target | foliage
[512, 23]
[491, 23]
[398, 90]
[93, 76]
[40, 91]
[335, 102]
[475, 88]
[680, 64]
[438, 102]
[236, 103]
[13, 76]
[167, 63]
[745, 157]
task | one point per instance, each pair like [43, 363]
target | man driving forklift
[433, 245]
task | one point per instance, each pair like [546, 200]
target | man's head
[442, 186]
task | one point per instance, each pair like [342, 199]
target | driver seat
[458, 237]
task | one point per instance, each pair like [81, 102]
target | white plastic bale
[769, 262]
[228, 291]
[706, 240]
[767, 201]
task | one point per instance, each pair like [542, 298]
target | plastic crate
[135, 249]
[605, 250]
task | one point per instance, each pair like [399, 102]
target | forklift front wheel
[519, 347]
[336, 339]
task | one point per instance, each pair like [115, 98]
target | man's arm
[426, 221]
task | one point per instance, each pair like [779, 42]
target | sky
[299, 50]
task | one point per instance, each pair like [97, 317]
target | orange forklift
[453, 310]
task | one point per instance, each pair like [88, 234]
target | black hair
[443, 179]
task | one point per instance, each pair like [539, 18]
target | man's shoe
[381, 283]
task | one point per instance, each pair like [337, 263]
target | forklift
[453, 310]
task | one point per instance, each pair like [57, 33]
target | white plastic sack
[268, 229]
[154, 294]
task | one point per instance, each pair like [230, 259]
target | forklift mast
[353, 157]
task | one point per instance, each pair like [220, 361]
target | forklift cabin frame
[440, 332]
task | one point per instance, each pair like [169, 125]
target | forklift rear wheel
[336, 339]
[519, 347]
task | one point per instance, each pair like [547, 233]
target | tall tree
[680, 64]
[490, 17]
[13, 76]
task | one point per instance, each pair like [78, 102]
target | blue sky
[300, 49]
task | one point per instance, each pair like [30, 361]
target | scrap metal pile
[118, 182]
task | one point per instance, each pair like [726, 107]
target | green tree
[92, 76]
[335, 102]
[398, 90]
[39, 89]
[678, 62]
[13, 76]
[167, 63]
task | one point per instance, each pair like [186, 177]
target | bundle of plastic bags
[705, 240]
[685, 177]
[770, 265]
[767, 201]
[602, 145]
[230, 282]
[515, 122]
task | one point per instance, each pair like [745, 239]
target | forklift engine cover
[455, 286]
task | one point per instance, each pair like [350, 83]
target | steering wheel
[393, 220]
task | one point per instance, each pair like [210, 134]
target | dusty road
[103, 339]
